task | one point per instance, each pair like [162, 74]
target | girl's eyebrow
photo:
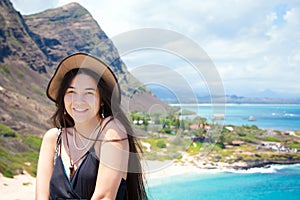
[90, 89]
[72, 87]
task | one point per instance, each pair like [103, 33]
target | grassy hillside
[18, 153]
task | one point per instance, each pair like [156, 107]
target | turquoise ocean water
[277, 182]
[267, 116]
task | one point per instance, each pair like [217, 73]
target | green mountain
[31, 47]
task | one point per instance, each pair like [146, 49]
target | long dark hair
[135, 180]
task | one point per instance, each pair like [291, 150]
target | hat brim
[82, 60]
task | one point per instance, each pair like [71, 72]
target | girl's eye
[70, 91]
[92, 92]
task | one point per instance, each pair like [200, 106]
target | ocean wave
[291, 115]
[264, 170]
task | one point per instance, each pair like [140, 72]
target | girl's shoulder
[51, 135]
[114, 129]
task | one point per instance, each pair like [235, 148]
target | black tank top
[82, 183]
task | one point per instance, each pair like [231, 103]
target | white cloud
[33, 6]
[254, 44]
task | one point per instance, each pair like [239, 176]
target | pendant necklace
[72, 163]
[71, 168]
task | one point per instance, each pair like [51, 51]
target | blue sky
[254, 45]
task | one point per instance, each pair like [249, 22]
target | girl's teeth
[80, 110]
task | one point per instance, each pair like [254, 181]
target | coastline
[176, 168]
[22, 187]
[266, 164]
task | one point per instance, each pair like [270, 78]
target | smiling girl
[92, 154]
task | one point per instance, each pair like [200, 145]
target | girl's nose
[78, 98]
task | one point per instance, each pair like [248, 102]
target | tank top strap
[58, 145]
[58, 142]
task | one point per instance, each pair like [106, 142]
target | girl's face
[82, 99]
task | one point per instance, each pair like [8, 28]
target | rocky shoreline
[178, 168]
[265, 164]
[206, 163]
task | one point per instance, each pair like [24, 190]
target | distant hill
[31, 47]
[265, 97]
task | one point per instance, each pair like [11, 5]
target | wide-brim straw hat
[82, 60]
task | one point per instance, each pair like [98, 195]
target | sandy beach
[21, 187]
